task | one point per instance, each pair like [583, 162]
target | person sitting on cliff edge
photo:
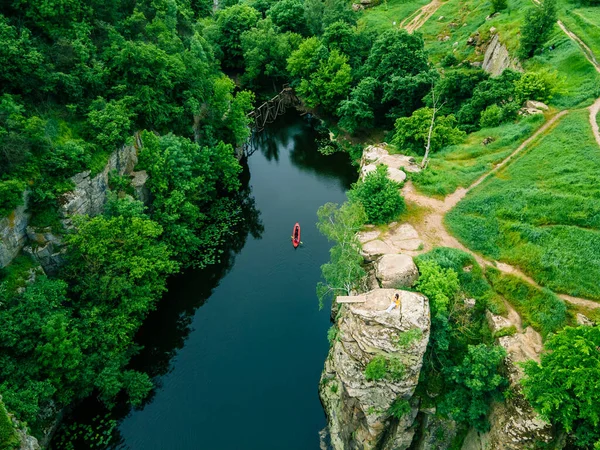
[394, 304]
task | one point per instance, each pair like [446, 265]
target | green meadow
[542, 212]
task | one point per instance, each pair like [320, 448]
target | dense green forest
[80, 78]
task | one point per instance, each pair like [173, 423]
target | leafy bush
[541, 86]
[332, 334]
[537, 27]
[491, 117]
[407, 338]
[476, 382]
[399, 408]
[563, 387]
[376, 369]
[11, 196]
[412, 133]
[499, 5]
[8, 436]
[395, 369]
[379, 195]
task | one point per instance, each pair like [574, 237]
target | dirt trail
[589, 55]
[431, 227]
[423, 16]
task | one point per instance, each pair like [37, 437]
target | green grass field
[542, 212]
[383, 16]
[460, 165]
[584, 22]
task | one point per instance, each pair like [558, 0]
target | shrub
[564, 386]
[395, 369]
[498, 5]
[11, 196]
[332, 334]
[8, 437]
[379, 196]
[407, 338]
[449, 60]
[376, 369]
[491, 117]
[539, 86]
[399, 408]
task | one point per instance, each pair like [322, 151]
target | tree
[288, 15]
[537, 27]
[193, 191]
[344, 272]
[328, 85]
[266, 52]
[476, 382]
[305, 60]
[231, 23]
[498, 5]
[423, 131]
[563, 386]
[111, 122]
[379, 195]
[357, 112]
[541, 86]
[398, 60]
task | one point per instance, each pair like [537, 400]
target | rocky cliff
[358, 409]
[88, 197]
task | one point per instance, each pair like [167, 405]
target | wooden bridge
[271, 109]
[264, 114]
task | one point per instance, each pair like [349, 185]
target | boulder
[529, 111]
[357, 408]
[366, 236]
[138, 182]
[404, 238]
[394, 271]
[396, 175]
[367, 170]
[536, 105]
[373, 249]
[357, 7]
[497, 323]
[583, 320]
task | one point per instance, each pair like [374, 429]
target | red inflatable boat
[296, 235]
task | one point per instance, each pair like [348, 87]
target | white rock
[366, 236]
[396, 175]
[396, 271]
[536, 105]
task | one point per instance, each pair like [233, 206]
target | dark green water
[237, 350]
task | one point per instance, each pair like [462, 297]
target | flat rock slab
[404, 231]
[366, 236]
[351, 298]
[377, 247]
[411, 245]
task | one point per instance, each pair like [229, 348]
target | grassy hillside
[383, 16]
[542, 213]
[461, 165]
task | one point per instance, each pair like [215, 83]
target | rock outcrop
[25, 440]
[497, 58]
[13, 233]
[357, 408]
[397, 239]
[89, 195]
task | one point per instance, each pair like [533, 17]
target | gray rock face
[89, 195]
[357, 409]
[395, 271]
[13, 233]
[27, 442]
[497, 58]
[46, 248]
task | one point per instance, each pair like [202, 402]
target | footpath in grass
[580, 81]
[461, 165]
[383, 16]
[542, 212]
[583, 21]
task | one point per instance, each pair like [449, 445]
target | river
[237, 350]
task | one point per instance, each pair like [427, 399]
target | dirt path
[423, 16]
[433, 232]
[589, 55]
